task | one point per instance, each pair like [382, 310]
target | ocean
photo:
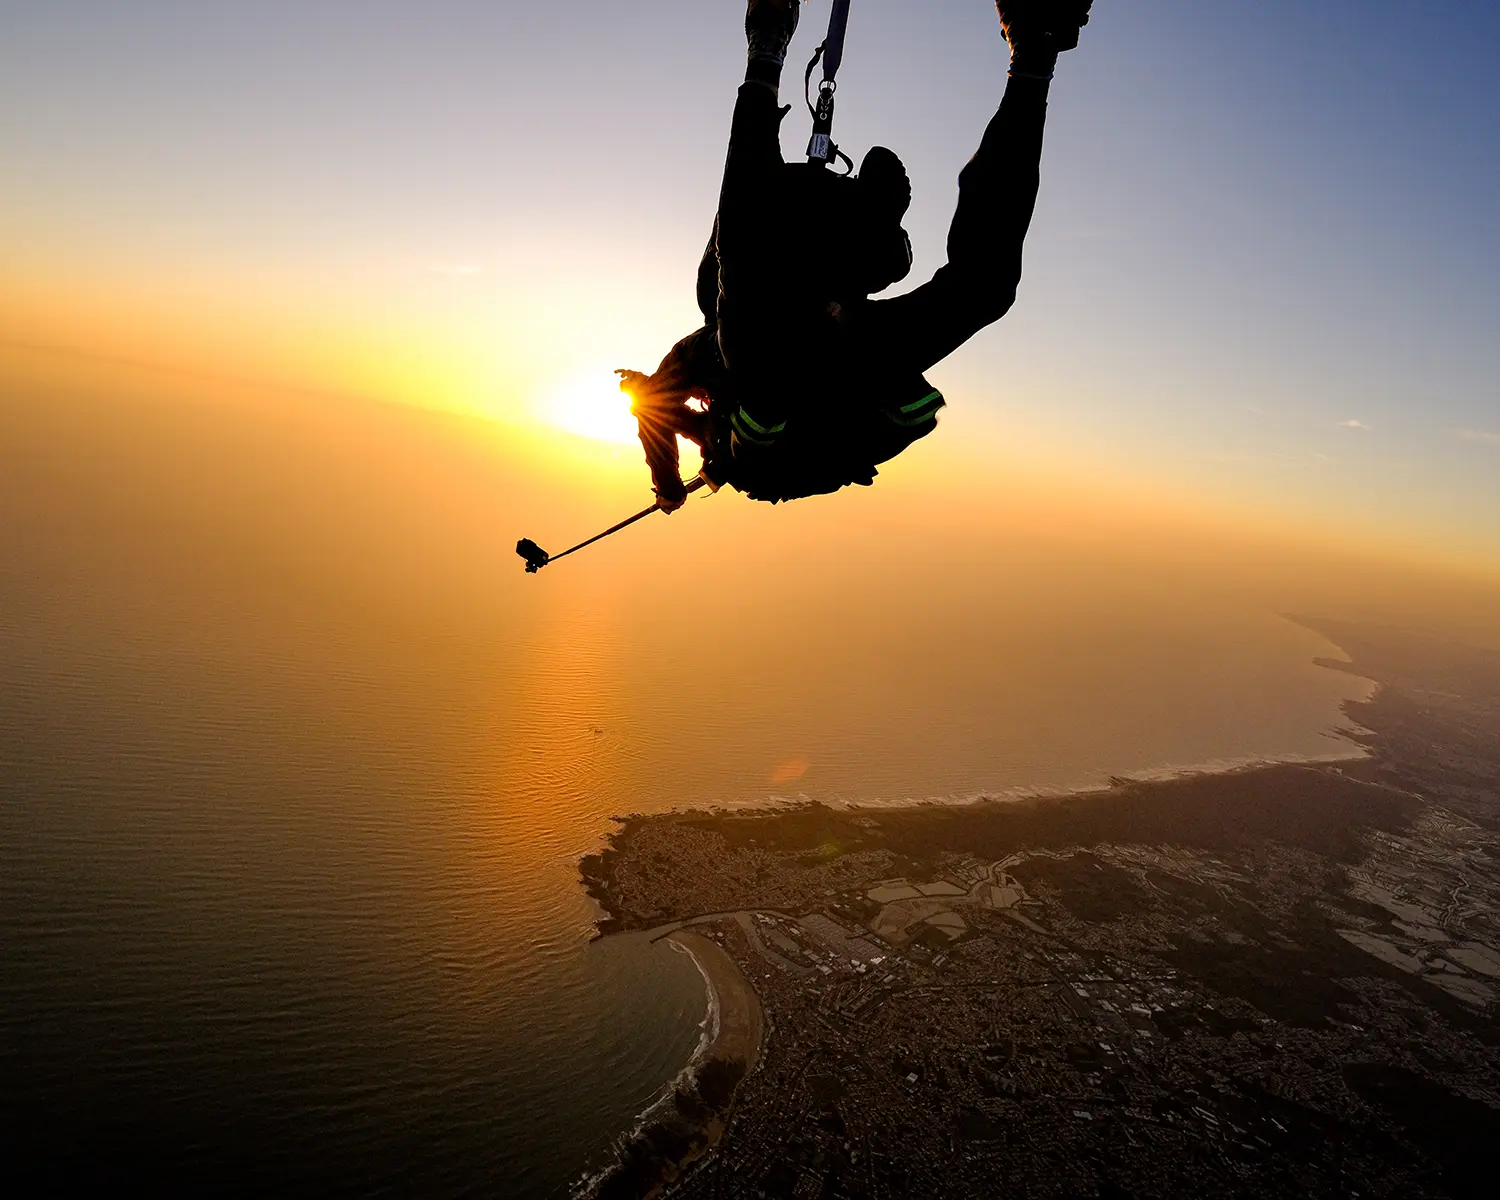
[296, 765]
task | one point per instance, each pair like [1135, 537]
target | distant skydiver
[808, 384]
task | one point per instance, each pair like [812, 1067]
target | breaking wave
[708, 1033]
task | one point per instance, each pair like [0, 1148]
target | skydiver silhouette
[807, 384]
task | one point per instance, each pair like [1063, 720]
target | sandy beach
[740, 1020]
[681, 1133]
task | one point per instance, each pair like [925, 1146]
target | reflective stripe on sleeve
[918, 411]
[924, 402]
[752, 430]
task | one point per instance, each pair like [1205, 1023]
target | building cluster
[1289, 987]
[1042, 1053]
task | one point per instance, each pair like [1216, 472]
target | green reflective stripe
[917, 419]
[918, 411]
[757, 426]
[740, 423]
[925, 400]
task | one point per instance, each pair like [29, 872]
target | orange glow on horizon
[579, 429]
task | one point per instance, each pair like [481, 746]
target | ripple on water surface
[289, 826]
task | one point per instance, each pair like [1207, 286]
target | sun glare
[591, 406]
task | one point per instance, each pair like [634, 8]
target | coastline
[1234, 948]
[736, 1017]
[1294, 904]
[740, 1020]
[1356, 757]
[738, 1026]
[690, 1120]
[1263, 797]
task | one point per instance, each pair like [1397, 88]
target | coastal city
[1296, 996]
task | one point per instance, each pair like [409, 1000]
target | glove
[672, 499]
[657, 421]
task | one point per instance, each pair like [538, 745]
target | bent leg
[997, 193]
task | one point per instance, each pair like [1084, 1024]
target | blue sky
[1263, 270]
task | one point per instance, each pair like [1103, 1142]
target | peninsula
[1276, 981]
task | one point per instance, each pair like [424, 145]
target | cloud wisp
[1351, 423]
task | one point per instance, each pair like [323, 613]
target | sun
[592, 406]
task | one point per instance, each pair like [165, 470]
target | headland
[1281, 979]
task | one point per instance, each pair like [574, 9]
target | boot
[1039, 30]
[769, 25]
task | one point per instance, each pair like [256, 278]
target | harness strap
[838, 24]
[821, 148]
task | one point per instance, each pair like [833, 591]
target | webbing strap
[833, 44]
[821, 149]
[830, 53]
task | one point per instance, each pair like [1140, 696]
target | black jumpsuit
[807, 395]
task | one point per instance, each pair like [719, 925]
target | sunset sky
[1264, 275]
